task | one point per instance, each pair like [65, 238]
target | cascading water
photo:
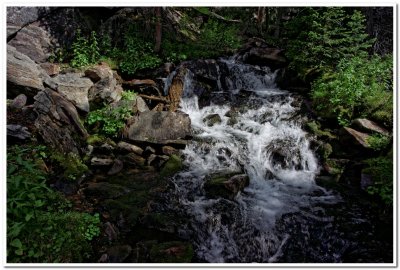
[259, 133]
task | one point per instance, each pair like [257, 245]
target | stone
[105, 91]
[19, 132]
[226, 185]
[23, 74]
[74, 88]
[169, 150]
[369, 126]
[158, 127]
[20, 16]
[19, 102]
[135, 159]
[118, 254]
[271, 57]
[99, 72]
[212, 119]
[116, 167]
[34, 42]
[96, 161]
[111, 231]
[124, 146]
[50, 68]
[172, 166]
[350, 137]
[171, 252]
[141, 105]
[58, 122]
[104, 190]
[149, 151]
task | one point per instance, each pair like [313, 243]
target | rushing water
[260, 134]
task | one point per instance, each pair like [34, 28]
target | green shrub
[359, 87]
[85, 51]
[40, 225]
[378, 142]
[381, 170]
[72, 165]
[110, 120]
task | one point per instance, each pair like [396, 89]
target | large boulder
[352, 137]
[271, 57]
[34, 42]
[19, 17]
[158, 127]
[58, 122]
[74, 88]
[369, 126]
[23, 74]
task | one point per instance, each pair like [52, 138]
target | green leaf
[16, 243]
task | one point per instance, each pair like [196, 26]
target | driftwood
[160, 99]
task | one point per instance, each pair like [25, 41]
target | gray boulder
[58, 122]
[74, 88]
[158, 127]
[23, 74]
[19, 132]
[369, 126]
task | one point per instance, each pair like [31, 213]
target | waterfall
[258, 133]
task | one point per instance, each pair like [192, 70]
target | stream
[283, 215]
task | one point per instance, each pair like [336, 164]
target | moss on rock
[171, 167]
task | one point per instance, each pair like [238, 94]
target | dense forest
[154, 134]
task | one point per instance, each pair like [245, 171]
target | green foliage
[378, 142]
[321, 37]
[137, 53]
[358, 87]
[381, 170]
[110, 120]
[85, 51]
[216, 38]
[40, 225]
[72, 165]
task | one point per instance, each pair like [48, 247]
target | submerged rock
[212, 119]
[225, 185]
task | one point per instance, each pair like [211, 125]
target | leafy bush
[40, 225]
[85, 50]
[321, 37]
[358, 87]
[110, 120]
[381, 170]
[378, 142]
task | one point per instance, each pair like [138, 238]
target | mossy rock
[212, 119]
[225, 185]
[98, 140]
[171, 252]
[335, 167]
[104, 190]
[325, 150]
[172, 166]
[315, 128]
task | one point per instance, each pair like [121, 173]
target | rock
[118, 254]
[104, 190]
[369, 126]
[350, 137]
[158, 127]
[175, 92]
[171, 167]
[99, 72]
[124, 146]
[116, 167]
[335, 167]
[149, 150]
[34, 42]
[212, 119]
[95, 161]
[271, 57]
[19, 132]
[225, 185]
[23, 74]
[169, 150]
[171, 252]
[111, 231]
[141, 105]
[74, 88]
[58, 122]
[105, 89]
[50, 68]
[157, 161]
[135, 159]
[151, 159]
[366, 181]
[19, 102]
[19, 17]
